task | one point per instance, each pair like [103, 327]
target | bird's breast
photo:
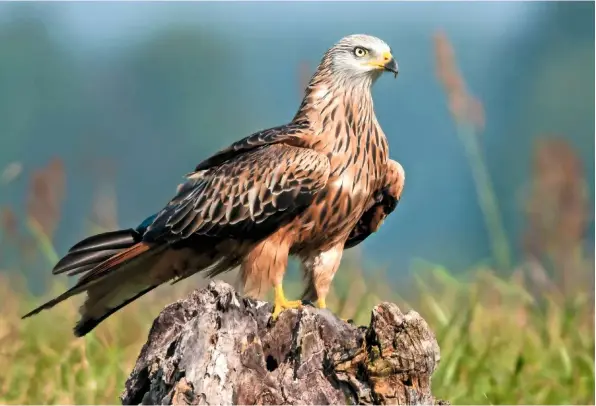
[356, 174]
[357, 158]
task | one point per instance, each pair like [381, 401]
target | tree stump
[218, 348]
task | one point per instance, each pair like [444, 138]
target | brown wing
[247, 196]
[385, 202]
[291, 134]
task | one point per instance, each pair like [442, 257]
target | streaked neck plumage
[333, 90]
[338, 109]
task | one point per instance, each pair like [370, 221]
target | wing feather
[294, 134]
[383, 205]
[248, 196]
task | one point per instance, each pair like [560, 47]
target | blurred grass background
[515, 323]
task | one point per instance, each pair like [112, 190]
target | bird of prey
[309, 189]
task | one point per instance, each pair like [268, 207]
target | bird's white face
[362, 55]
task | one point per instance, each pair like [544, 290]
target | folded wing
[383, 205]
[246, 197]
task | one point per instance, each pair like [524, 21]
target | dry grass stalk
[463, 106]
[46, 193]
[9, 229]
[9, 223]
[469, 116]
[557, 211]
[104, 211]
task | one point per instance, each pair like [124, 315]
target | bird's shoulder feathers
[296, 133]
[249, 195]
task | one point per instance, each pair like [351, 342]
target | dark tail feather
[86, 255]
[109, 240]
[48, 305]
[94, 250]
[123, 279]
[117, 268]
[85, 325]
[99, 270]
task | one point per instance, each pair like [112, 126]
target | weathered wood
[216, 347]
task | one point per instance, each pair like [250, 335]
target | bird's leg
[267, 263]
[319, 271]
[281, 303]
[321, 303]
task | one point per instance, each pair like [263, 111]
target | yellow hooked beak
[386, 62]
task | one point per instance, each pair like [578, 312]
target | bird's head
[360, 56]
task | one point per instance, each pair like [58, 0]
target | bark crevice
[216, 347]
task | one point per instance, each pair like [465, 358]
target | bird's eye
[360, 52]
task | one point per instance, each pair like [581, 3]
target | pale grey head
[358, 58]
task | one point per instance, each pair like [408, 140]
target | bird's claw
[280, 306]
[281, 303]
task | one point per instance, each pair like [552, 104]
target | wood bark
[216, 347]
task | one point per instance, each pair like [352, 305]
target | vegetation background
[103, 106]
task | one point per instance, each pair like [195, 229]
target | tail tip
[84, 326]
[33, 312]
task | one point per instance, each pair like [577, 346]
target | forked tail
[113, 267]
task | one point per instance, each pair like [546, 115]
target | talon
[280, 307]
[281, 303]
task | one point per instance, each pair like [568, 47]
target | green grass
[514, 340]
[499, 344]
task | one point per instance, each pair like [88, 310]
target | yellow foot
[281, 303]
[280, 307]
